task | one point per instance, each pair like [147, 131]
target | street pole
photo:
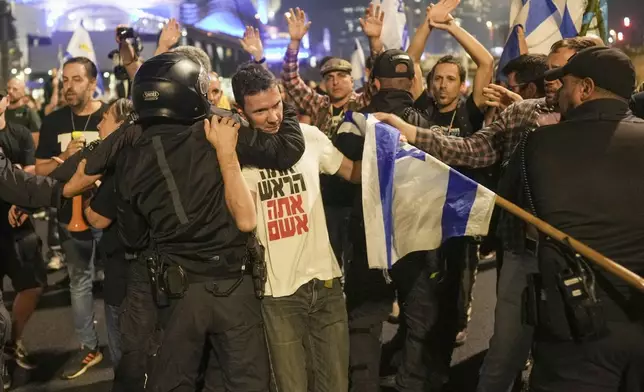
[5, 22]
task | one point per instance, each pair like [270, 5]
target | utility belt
[561, 301]
[171, 281]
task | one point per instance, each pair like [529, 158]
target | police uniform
[584, 177]
[29, 191]
[171, 201]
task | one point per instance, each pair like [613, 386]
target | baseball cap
[610, 69]
[387, 65]
[336, 65]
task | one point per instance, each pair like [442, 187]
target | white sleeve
[330, 158]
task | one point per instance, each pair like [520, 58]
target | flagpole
[604, 262]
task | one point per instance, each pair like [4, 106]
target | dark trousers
[369, 301]
[470, 265]
[137, 323]
[512, 339]
[421, 359]
[337, 222]
[612, 364]
[233, 328]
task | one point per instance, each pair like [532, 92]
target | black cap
[172, 86]
[387, 64]
[610, 69]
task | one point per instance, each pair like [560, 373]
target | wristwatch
[261, 61]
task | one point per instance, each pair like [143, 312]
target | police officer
[29, 191]
[584, 177]
[190, 201]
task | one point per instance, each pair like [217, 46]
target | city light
[488, 24]
[612, 33]
[627, 22]
[620, 36]
[14, 71]
[610, 40]
[41, 80]
[106, 75]
[50, 72]
[27, 71]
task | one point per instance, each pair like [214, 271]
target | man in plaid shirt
[327, 111]
[510, 344]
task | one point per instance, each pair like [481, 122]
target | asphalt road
[51, 340]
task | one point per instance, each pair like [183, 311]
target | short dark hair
[529, 68]
[576, 43]
[449, 59]
[251, 79]
[90, 67]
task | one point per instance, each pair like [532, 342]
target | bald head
[15, 90]
[214, 90]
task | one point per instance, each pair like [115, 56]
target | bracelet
[58, 160]
[261, 61]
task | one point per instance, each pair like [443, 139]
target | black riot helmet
[171, 86]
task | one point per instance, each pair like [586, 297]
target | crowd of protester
[323, 309]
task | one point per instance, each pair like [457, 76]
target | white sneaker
[55, 263]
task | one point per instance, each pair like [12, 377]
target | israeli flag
[412, 201]
[547, 21]
[358, 65]
[394, 31]
[80, 45]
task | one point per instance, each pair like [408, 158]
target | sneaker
[80, 362]
[461, 337]
[55, 262]
[17, 352]
[6, 377]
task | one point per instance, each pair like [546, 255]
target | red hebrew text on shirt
[281, 193]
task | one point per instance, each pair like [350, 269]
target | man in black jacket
[188, 204]
[584, 177]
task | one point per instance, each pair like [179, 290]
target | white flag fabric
[80, 45]
[358, 64]
[394, 31]
[412, 201]
[547, 21]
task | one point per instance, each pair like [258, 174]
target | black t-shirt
[18, 146]
[56, 134]
[466, 119]
[24, 116]
[104, 203]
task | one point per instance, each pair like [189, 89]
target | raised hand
[170, 34]
[297, 24]
[252, 43]
[499, 96]
[440, 13]
[222, 133]
[373, 21]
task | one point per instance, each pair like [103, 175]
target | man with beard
[327, 111]
[63, 133]
[18, 112]
[510, 344]
[583, 176]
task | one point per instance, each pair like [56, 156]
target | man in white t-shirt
[304, 309]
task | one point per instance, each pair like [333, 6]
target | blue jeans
[79, 257]
[112, 314]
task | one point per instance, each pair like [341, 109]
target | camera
[125, 33]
